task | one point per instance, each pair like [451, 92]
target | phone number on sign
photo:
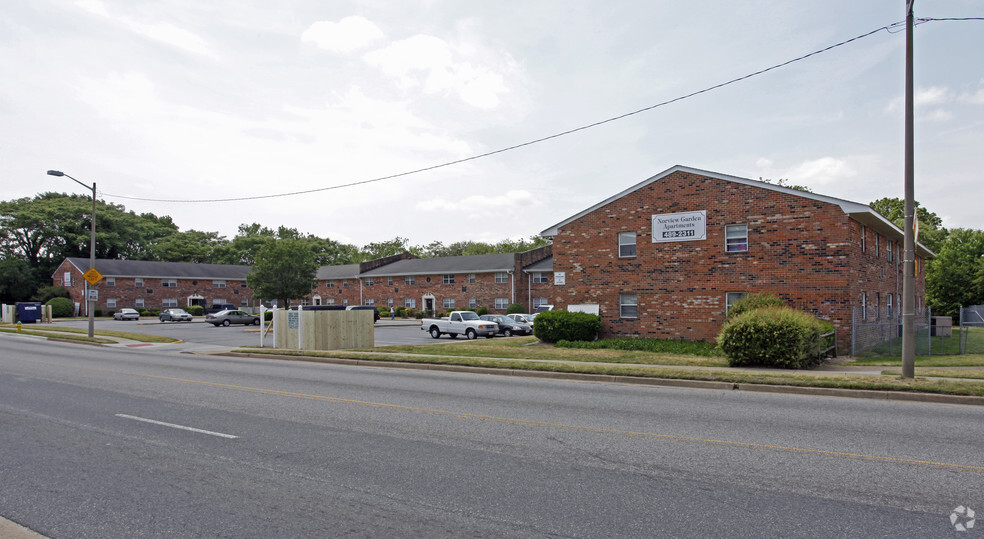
[679, 233]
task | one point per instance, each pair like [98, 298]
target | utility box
[28, 311]
[941, 326]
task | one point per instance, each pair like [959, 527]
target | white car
[126, 314]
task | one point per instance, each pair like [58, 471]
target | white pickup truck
[457, 323]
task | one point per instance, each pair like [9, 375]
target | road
[95, 442]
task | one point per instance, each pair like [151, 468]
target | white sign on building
[560, 278]
[683, 226]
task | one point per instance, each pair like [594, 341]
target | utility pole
[909, 258]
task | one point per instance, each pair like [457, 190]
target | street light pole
[90, 303]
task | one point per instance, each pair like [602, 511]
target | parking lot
[197, 332]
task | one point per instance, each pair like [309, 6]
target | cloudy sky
[189, 101]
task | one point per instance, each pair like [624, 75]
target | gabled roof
[446, 264]
[344, 271]
[544, 265]
[162, 270]
[859, 212]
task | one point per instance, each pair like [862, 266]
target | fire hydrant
[18, 326]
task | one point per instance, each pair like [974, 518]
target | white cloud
[826, 170]
[162, 31]
[438, 67]
[939, 115]
[763, 162]
[976, 98]
[934, 95]
[344, 36]
[483, 204]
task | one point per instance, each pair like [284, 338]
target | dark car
[375, 316]
[219, 307]
[507, 326]
[226, 318]
[174, 315]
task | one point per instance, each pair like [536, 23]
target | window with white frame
[877, 300]
[389, 281]
[541, 277]
[305, 301]
[449, 303]
[244, 302]
[736, 238]
[345, 283]
[410, 303]
[371, 302]
[501, 277]
[877, 240]
[472, 303]
[169, 283]
[448, 278]
[138, 282]
[345, 302]
[538, 302]
[110, 281]
[67, 279]
[218, 284]
[888, 305]
[409, 279]
[169, 302]
[730, 298]
[864, 306]
[111, 303]
[218, 301]
[471, 278]
[888, 250]
[864, 238]
[501, 303]
[389, 303]
[329, 284]
[370, 281]
[628, 305]
[626, 244]
[329, 301]
[138, 303]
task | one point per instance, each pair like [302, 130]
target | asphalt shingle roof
[447, 264]
[163, 270]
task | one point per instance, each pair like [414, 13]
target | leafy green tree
[382, 249]
[955, 276]
[189, 246]
[932, 234]
[284, 269]
[17, 280]
[49, 292]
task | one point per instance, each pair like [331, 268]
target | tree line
[37, 233]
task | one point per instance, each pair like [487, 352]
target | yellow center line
[524, 422]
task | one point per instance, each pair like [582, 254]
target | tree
[932, 234]
[954, 277]
[284, 269]
[17, 280]
[382, 249]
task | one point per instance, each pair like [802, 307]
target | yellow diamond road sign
[92, 276]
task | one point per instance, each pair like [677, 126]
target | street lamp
[90, 303]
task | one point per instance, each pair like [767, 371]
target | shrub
[774, 337]
[61, 307]
[658, 346]
[553, 326]
[419, 315]
[46, 293]
[141, 311]
[267, 316]
[196, 310]
[481, 310]
[99, 312]
[400, 311]
[515, 308]
[752, 302]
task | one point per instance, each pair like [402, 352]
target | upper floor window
[448, 278]
[626, 244]
[471, 278]
[169, 283]
[389, 281]
[110, 281]
[736, 238]
[138, 282]
[67, 279]
[370, 281]
[864, 239]
[218, 284]
[888, 250]
[541, 277]
[628, 305]
[329, 284]
[501, 277]
[409, 279]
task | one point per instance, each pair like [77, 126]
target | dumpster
[28, 311]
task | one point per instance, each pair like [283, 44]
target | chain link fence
[880, 334]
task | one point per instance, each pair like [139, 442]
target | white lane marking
[172, 425]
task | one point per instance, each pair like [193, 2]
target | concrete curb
[903, 396]
[13, 530]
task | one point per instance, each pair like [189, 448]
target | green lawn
[968, 374]
[974, 344]
[80, 334]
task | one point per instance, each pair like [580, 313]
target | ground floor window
[220, 301]
[371, 302]
[731, 298]
[389, 303]
[111, 303]
[410, 303]
[538, 302]
[449, 303]
[501, 303]
[888, 305]
[330, 301]
[628, 305]
[169, 302]
[472, 303]
[864, 306]
[139, 303]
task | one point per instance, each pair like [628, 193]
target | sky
[190, 101]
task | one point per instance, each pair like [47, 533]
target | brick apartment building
[148, 284]
[438, 284]
[667, 257]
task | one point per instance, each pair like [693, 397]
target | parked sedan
[174, 315]
[126, 314]
[522, 318]
[226, 318]
[507, 326]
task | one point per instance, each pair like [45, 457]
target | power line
[889, 28]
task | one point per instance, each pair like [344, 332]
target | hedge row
[773, 336]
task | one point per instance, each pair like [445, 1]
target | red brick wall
[484, 290]
[805, 251]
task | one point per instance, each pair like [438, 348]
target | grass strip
[139, 337]
[49, 334]
[970, 374]
[966, 360]
[945, 387]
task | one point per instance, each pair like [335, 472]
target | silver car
[174, 315]
[126, 314]
[226, 318]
